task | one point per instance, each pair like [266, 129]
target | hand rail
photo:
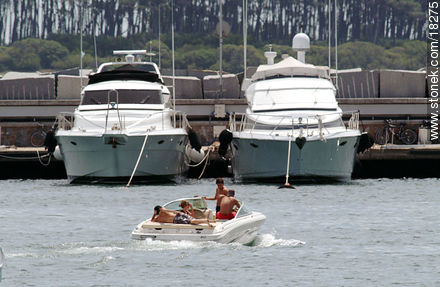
[65, 120]
[296, 121]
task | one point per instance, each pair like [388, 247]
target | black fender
[194, 140]
[225, 139]
[50, 142]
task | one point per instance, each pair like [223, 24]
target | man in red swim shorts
[227, 204]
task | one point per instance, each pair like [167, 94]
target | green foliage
[201, 52]
[33, 54]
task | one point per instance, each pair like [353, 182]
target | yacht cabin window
[140, 67]
[125, 97]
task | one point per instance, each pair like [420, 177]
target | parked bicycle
[38, 137]
[391, 131]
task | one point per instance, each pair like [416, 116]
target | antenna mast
[81, 43]
[245, 2]
[174, 73]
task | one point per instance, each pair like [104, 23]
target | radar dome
[301, 42]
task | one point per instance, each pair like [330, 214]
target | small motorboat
[241, 229]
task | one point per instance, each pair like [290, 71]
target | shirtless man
[227, 206]
[221, 190]
[164, 215]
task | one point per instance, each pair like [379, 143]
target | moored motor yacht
[293, 125]
[241, 229]
[124, 126]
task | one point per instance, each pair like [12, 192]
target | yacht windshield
[125, 97]
[137, 67]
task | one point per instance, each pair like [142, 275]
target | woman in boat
[187, 208]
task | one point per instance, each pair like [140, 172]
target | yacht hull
[266, 159]
[111, 157]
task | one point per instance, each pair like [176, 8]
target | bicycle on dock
[38, 137]
[399, 131]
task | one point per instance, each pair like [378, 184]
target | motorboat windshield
[196, 202]
[243, 211]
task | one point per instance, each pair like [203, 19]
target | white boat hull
[240, 230]
[113, 156]
[266, 158]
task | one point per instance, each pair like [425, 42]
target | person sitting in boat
[164, 215]
[220, 191]
[187, 208]
[227, 204]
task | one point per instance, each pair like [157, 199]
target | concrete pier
[396, 161]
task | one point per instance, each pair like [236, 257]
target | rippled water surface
[362, 233]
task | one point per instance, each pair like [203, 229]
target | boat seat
[148, 224]
[198, 214]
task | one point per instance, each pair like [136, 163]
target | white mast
[336, 43]
[221, 46]
[329, 35]
[159, 35]
[244, 37]
[81, 43]
[174, 73]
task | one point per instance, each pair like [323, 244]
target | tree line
[199, 51]
[274, 21]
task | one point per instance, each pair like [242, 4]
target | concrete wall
[69, 87]
[189, 73]
[39, 88]
[402, 84]
[211, 87]
[358, 84]
[186, 87]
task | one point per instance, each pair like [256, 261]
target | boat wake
[261, 241]
[269, 240]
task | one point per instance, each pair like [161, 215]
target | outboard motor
[50, 142]
[365, 142]
[225, 139]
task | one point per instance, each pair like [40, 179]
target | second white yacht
[293, 125]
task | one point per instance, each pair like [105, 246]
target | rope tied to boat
[139, 158]
[211, 148]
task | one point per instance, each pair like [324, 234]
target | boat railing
[181, 121]
[241, 121]
[65, 120]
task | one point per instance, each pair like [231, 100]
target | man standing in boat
[220, 191]
[227, 204]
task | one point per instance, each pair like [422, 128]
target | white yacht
[241, 229]
[123, 126]
[293, 125]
